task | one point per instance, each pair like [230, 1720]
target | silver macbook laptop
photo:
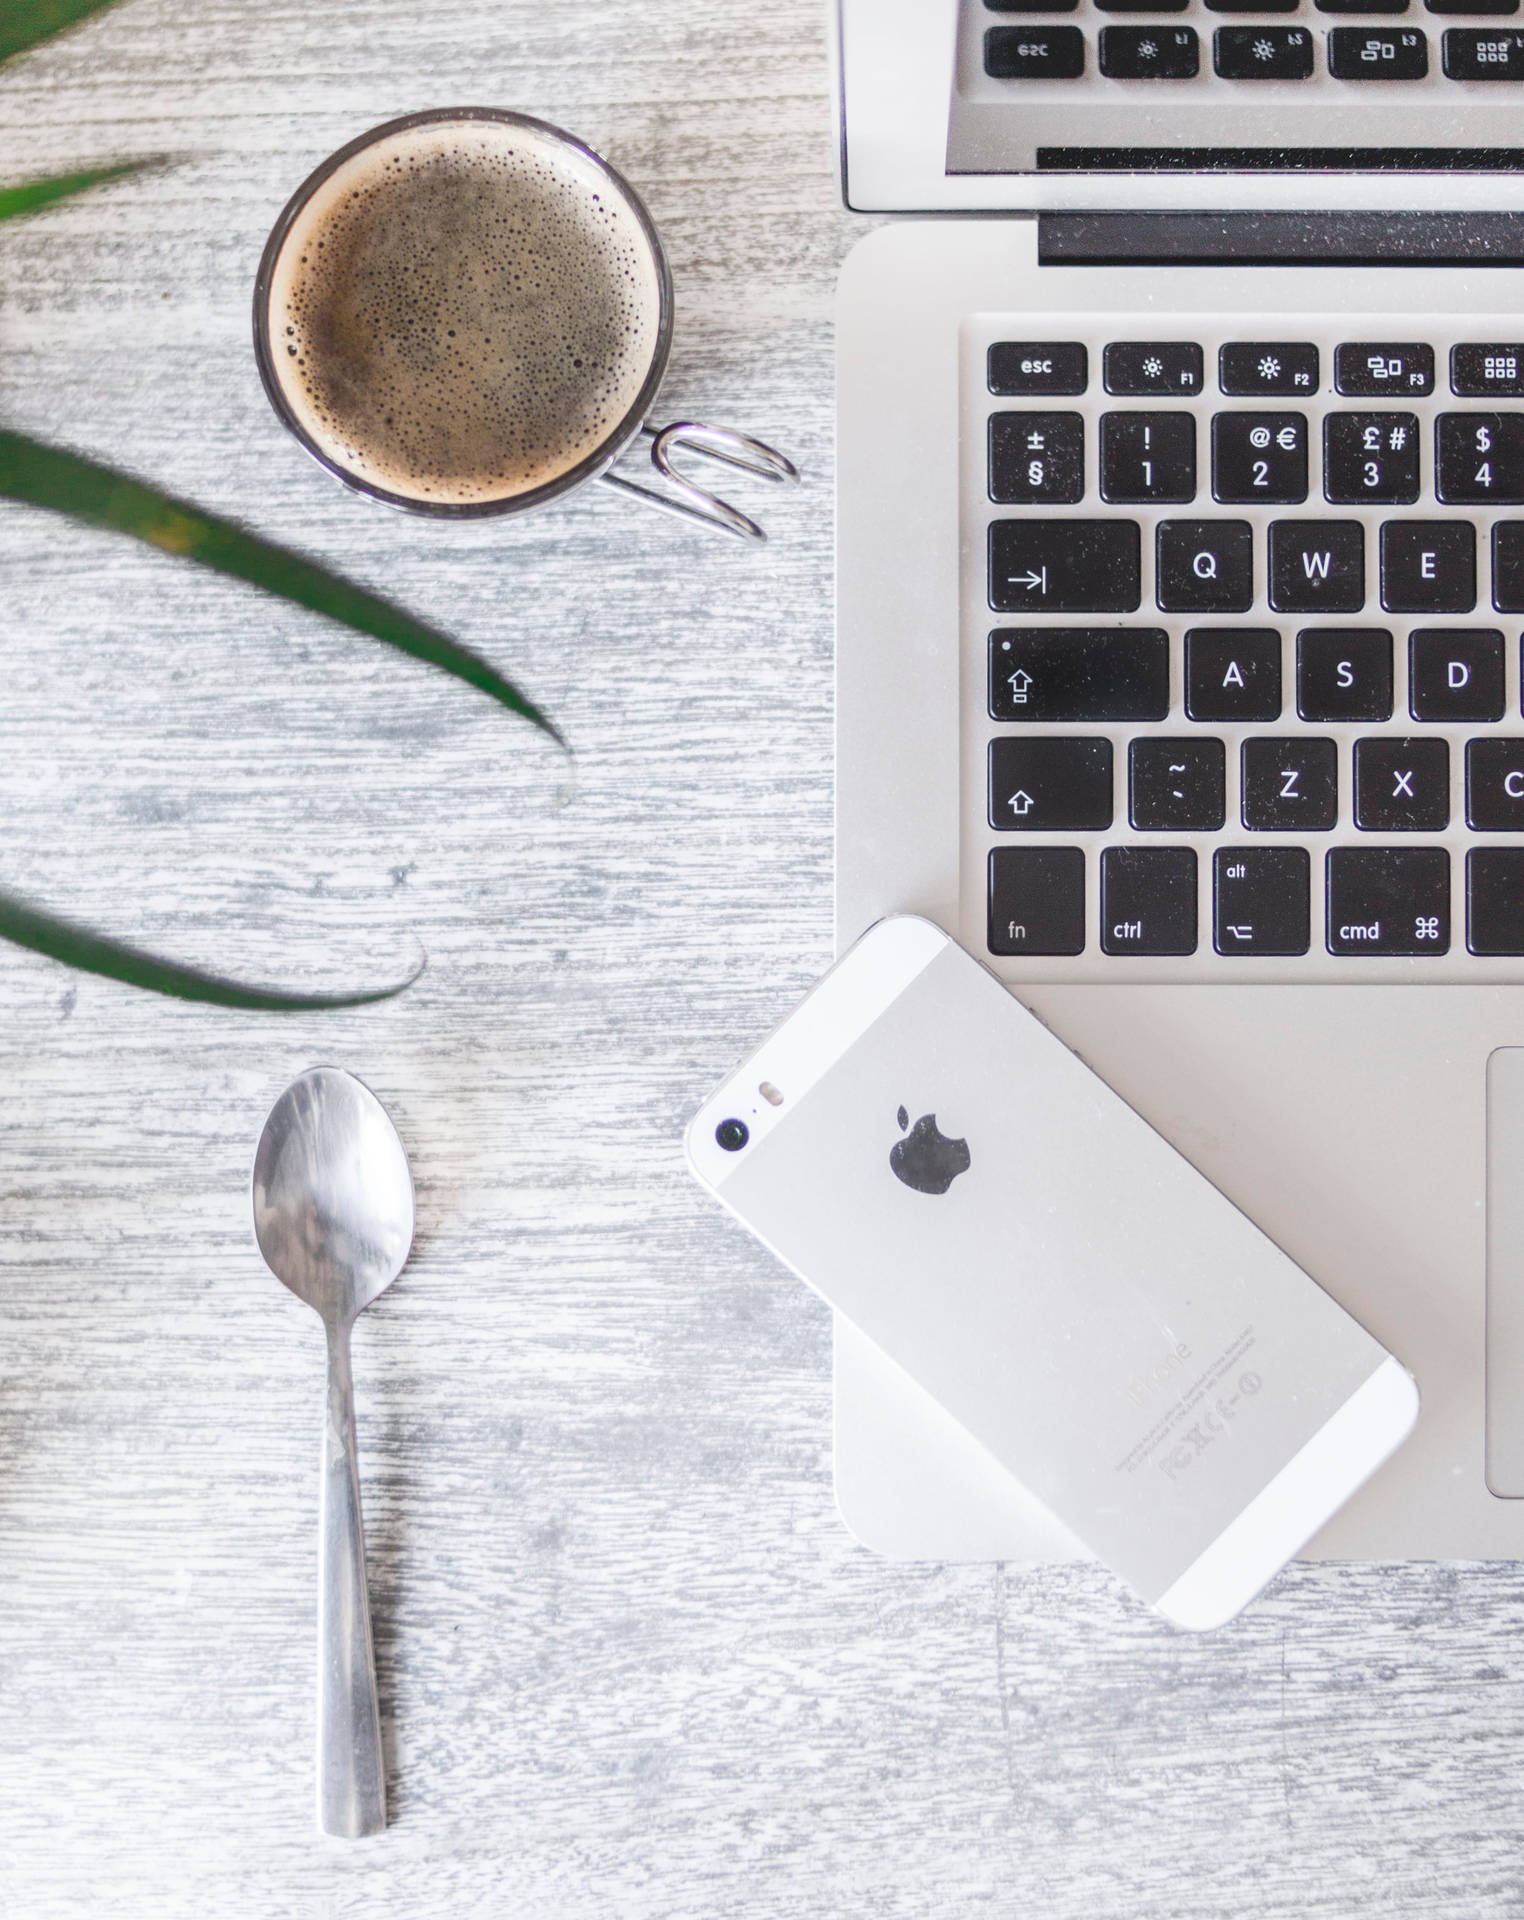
[1180, 614]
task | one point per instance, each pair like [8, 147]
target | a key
[1079, 673]
[1037, 900]
[1148, 456]
[1152, 367]
[1037, 456]
[1428, 566]
[1402, 785]
[1149, 53]
[1317, 566]
[1148, 900]
[1495, 900]
[1204, 566]
[1370, 456]
[1388, 900]
[1473, 53]
[1232, 674]
[1367, 369]
[1065, 566]
[1479, 457]
[1262, 53]
[1268, 367]
[1040, 784]
[1495, 367]
[1290, 786]
[1377, 53]
[1034, 53]
[1259, 457]
[1177, 786]
[1495, 786]
[1344, 673]
[1508, 566]
[1455, 673]
[1260, 900]
[1016, 367]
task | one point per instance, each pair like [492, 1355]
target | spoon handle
[351, 1774]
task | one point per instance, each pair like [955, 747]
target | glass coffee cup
[467, 312]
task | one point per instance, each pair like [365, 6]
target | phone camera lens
[732, 1135]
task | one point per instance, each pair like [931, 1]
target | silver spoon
[333, 1214]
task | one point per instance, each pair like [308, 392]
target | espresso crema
[463, 312]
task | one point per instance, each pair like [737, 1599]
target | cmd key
[1065, 566]
[1388, 900]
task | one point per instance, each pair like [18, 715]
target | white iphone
[928, 1157]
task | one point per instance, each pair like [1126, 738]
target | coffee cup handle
[693, 501]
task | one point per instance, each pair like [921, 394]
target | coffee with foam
[464, 311]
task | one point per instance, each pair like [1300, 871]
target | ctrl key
[1037, 900]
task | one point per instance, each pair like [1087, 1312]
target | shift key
[1065, 566]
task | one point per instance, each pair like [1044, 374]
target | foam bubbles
[463, 312]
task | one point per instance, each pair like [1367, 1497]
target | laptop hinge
[1351, 239]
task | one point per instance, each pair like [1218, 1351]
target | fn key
[1037, 900]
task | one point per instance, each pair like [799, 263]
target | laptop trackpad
[1505, 1272]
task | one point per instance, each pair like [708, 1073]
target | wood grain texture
[630, 1661]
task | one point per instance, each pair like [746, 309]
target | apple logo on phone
[926, 1160]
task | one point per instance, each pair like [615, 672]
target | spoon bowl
[333, 1215]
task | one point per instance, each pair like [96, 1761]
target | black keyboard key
[1039, 784]
[1367, 369]
[1508, 566]
[1317, 566]
[1037, 900]
[1232, 674]
[1177, 786]
[1472, 6]
[1495, 786]
[1479, 458]
[1017, 367]
[1402, 785]
[1428, 566]
[1290, 786]
[1455, 673]
[1251, 6]
[1260, 900]
[1262, 53]
[1141, 6]
[1362, 6]
[1344, 674]
[1268, 366]
[1148, 900]
[1475, 53]
[1031, 6]
[1150, 53]
[1037, 456]
[1388, 900]
[1377, 53]
[1148, 456]
[1204, 566]
[1079, 673]
[1034, 53]
[1259, 457]
[1370, 456]
[1494, 367]
[1152, 367]
[1495, 900]
[1065, 566]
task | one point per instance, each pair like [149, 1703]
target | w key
[1065, 566]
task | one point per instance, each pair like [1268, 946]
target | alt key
[1260, 900]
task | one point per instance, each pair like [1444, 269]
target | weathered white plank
[630, 1662]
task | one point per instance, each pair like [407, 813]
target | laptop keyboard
[1248, 693]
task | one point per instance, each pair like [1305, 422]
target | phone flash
[770, 1094]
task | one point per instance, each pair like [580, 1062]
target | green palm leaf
[77, 946]
[32, 194]
[23, 23]
[45, 476]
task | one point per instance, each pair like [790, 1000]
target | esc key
[1038, 366]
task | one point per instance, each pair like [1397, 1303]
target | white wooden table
[630, 1662]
